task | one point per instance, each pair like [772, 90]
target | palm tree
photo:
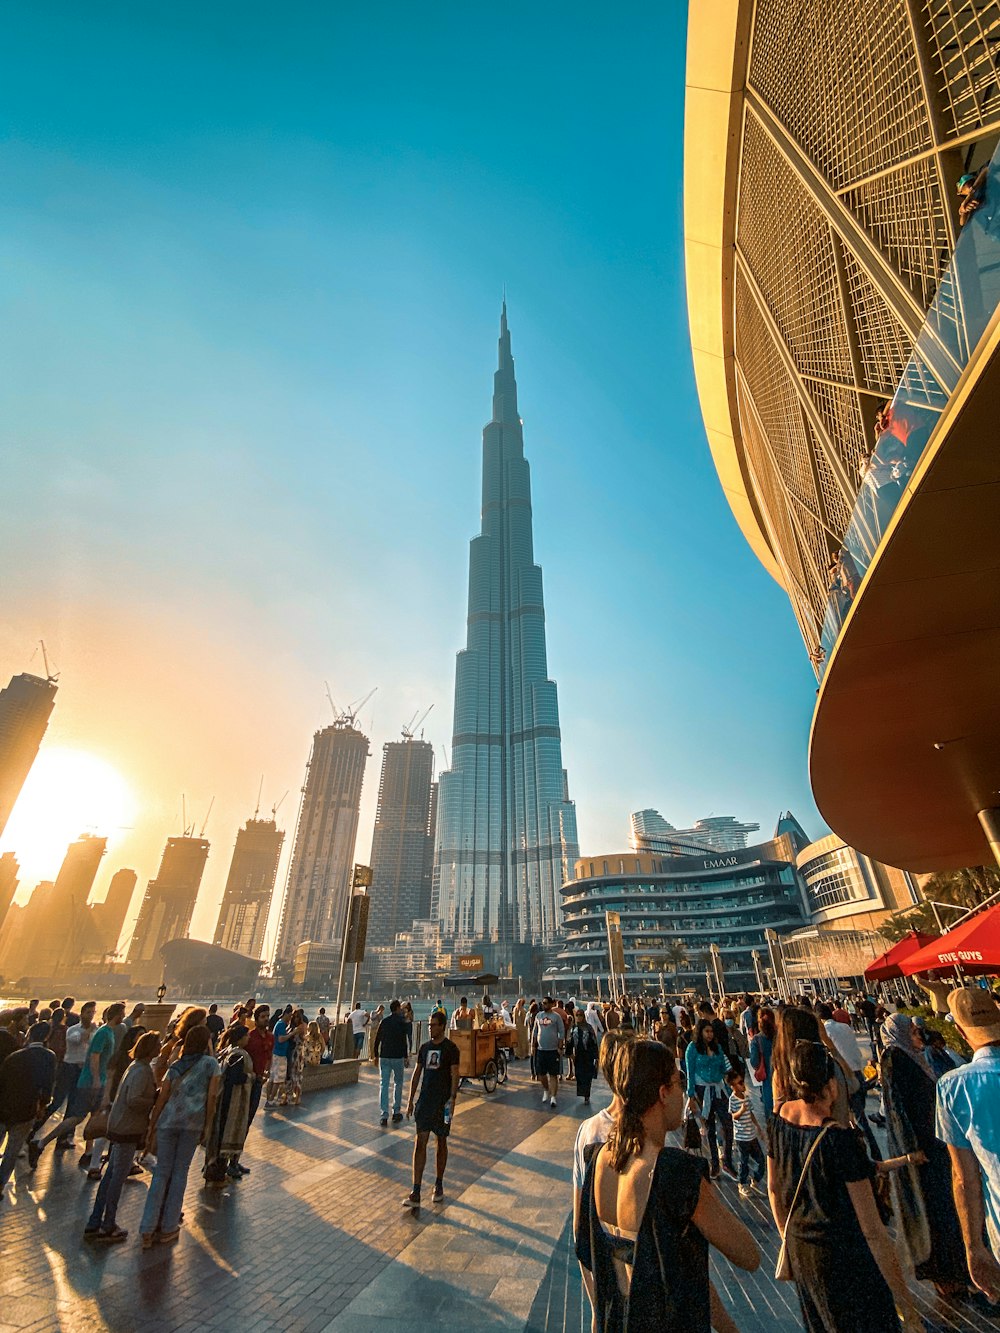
[675, 956]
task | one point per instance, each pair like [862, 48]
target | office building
[506, 828]
[25, 707]
[842, 300]
[250, 888]
[726, 901]
[317, 890]
[716, 833]
[167, 905]
[57, 930]
[402, 857]
[9, 870]
[109, 916]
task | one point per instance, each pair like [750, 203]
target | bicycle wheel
[490, 1076]
[501, 1064]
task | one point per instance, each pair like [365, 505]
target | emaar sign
[720, 861]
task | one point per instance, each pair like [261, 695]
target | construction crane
[204, 824]
[276, 808]
[49, 676]
[409, 731]
[260, 789]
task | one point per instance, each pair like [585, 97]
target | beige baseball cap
[976, 1012]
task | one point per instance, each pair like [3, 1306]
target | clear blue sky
[253, 260]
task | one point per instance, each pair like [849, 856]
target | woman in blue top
[761, 1050]
[706, 1065]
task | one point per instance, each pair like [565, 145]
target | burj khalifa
[506, 832]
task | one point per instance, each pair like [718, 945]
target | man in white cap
[968, 1121]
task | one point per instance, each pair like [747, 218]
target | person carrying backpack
[232, 1116]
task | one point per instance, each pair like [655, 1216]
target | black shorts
[548, 1062]
[430, 1120]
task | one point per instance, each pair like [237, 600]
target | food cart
[482, 1050]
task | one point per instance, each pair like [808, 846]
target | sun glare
[67, 792]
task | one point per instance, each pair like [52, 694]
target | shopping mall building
[843, 300]
[784, 915]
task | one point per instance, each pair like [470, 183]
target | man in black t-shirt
[436, 1075]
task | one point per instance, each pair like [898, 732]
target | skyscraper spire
[506, 833]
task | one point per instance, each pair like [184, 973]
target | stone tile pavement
[315, 1239]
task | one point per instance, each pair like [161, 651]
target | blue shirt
[281, 1039]
[703, 1069]
[102, 1044]
[968, 1116]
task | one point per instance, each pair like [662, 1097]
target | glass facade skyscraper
[506, 832]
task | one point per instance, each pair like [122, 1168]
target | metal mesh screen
[904, 212]
[964, 37]
[842, 416]
[884, 344]
[786, 242]
[820, 66]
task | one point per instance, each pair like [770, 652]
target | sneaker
[63, 1145]
[384, 1121]
[438, 1194]
[545, 1098]
[745, 1191]
[113, 1237]
[552, 1103]
[34, 1152]
[412, 1200]
[234, 1173]
[753, 1184]
[715, 1172]
[731, 1172]
[397, 1116]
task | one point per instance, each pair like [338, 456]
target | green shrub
[949, 1031]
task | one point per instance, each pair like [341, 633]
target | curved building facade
[843, 308]
[847, 889]
[727, 900]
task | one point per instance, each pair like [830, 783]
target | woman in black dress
[843, 1263]
[582, 1049]
[648, 1213]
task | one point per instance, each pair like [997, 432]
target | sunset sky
[254, 260]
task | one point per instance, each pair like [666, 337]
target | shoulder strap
[802, 1175]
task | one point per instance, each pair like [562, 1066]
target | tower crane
[409, 731]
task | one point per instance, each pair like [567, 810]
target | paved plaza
[315, 1238]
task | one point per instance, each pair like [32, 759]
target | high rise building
[506, 829]
[9, 870]
[57, 926]
[109, 916]
[843, 301]
[25, 707]
[718, 833]
[167, 905]
[250, 888]
[317, 890]
[402, 857]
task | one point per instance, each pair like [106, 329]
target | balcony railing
[968, 295]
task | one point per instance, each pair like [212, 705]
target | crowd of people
[646, 1212]
[146, 1101]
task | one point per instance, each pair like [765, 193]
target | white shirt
[77, 1041]
[594, 1130]
[594, 1019]
[846, 1043]
[359, 1019]
[678, 1010]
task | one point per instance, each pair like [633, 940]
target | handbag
[783, 1268]
[96, 1126]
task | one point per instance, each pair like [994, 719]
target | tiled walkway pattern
[315, 1238]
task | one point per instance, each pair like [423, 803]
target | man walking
[88, 1094]
[260, 1048]
[27, 1078]
[968, 1121]
[436, 1075]
[359, 1020]
[548, 1040]
[391, 1050]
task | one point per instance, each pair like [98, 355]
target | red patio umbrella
[887, 967]
[973, 945]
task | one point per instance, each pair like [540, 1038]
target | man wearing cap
[968, 1121]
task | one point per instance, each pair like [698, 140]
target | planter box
[340, 1074]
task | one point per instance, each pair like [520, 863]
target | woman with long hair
[922, 1189]
[128, 1122]
[647, 1212]
[191, 1017]
[706, 1065]
[796, 1023]
[298, 1029]
[819, 1181]
[232, 1117]
[521, 1029]
[181, 1119]
[761, 1058]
